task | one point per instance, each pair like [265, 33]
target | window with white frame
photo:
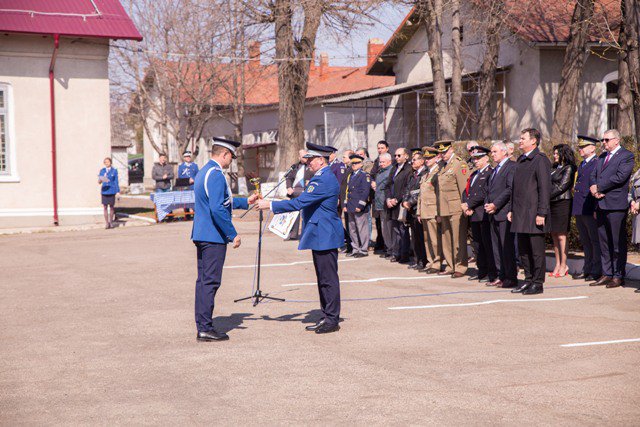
[4, 130]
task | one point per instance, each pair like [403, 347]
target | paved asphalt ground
[97, 328]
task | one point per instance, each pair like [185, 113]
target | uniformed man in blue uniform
[337, 167]
[321, 232]
[187, 169]
[357, 207]
[212, 231]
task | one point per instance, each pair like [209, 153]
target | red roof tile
[77, 18]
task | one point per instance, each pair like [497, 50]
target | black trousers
[504, 251]
[613, 242]
[345, 228]
[531, 247]
[401, 247]
[417, 241]
[326, 266]
[588, 231]
[379, 237]
[481, 233]
[211, 258]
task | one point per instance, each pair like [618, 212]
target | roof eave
[86, 36]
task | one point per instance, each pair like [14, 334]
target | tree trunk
[572, 68]
[431, 12]
[293, 76]
[631, 18]
[624, 122]
[487, 80]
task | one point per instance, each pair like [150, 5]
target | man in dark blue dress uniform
[212, 231]
[321, 232]
[356, 208]
[584, 208]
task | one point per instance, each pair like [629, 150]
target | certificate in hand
[103, 178]
[281, 224]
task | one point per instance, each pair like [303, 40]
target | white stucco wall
[82, 121]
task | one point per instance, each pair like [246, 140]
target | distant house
[530, 63]
[260, 125]
[54, 107]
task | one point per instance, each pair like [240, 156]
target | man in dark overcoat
[529, 216]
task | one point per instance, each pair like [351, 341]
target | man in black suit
[529, 215]
[610, 187]
[346, 159]
[410, 203]
[395, 193]
[473, 207]
[497, 205]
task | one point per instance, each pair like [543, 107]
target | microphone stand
[258, 296]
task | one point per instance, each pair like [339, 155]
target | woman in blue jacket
[108, 179]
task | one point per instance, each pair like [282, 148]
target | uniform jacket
[157, 174]
[212, 220]
[382, 181]
[499, 190]
[476, 194]
[412, 193]
[613, 180]
[395, 189]
[339, 169]
[583, 202]
[562, 178]
[188, 170]
[531, 193]
[321, 225]
[343, 189]
[427, 202]
[111, 187]
[450, 183]
[358, 190]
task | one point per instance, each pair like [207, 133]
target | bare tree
[630, 63]
[296, 24]
[447, 106]
[572, 68]
[493, 14]
[171, 73]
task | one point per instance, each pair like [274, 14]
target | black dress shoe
[579, 276]
[350, 254]
[212, 335]
[314, 327]
[326, 328]
[432, 271]
[601, 281]
[485, 280]
[393, 259]
[521, 288]
[360, 255]
[592, 278]
[404, 261]
[533, 290]
[508, 284]
[474, 277]
[412, 266]
[637, 291]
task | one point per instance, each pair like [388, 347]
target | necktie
[607, 159]
[469, 183]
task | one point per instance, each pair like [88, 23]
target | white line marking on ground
[375, 279]
[584, 344]
[281, 265]
[495, 301]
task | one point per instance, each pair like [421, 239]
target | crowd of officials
[423, 203]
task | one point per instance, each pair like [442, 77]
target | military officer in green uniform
[451, 182]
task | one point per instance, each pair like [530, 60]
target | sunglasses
[608, 139]
[398, 155]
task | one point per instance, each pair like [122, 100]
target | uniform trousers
[379, 235]
[531, 247]
[504, 251]
[326, 266]
[612, 232]
[347, 236]
[401, 241]
[588, 232]
[481, 233]
[211, 258]
[454, 242]
[433, 243]
[359, 231]
[417, 241]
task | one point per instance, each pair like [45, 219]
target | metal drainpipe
[54, 171]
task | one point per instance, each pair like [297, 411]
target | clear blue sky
[341, 52]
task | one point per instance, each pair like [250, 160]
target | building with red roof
[260, 125]
[54, 107]
[529, 72]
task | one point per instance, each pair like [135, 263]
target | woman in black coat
[563, 174]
